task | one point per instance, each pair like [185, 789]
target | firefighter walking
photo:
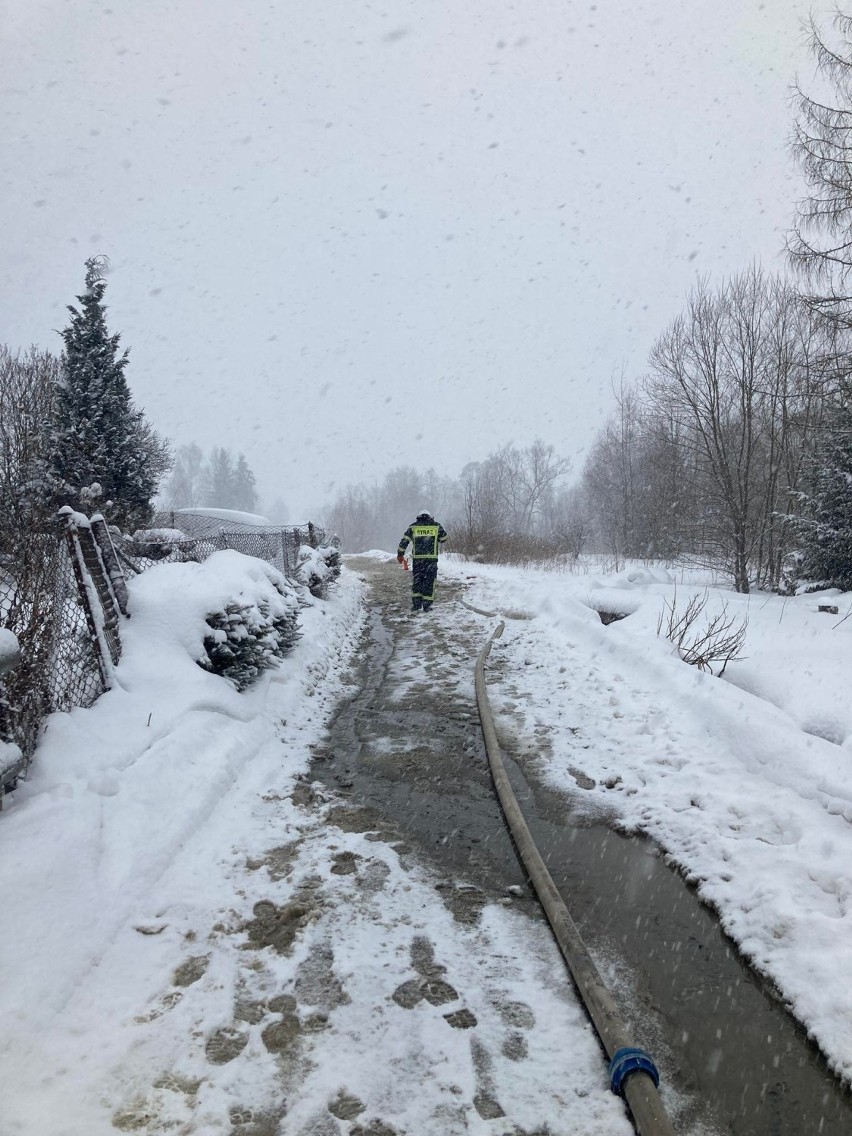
[425, 535]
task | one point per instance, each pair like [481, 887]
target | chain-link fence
[195, 535]
[64, 594]
[40, 604]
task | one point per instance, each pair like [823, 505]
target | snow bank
[743, 780]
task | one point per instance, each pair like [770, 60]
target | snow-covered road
[199, 936]
[190, 943]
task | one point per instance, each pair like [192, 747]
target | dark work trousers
[423, 573]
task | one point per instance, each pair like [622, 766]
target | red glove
[400, 558]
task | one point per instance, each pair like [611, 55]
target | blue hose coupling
[627, 1060]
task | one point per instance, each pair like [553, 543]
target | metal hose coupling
[630, 1059]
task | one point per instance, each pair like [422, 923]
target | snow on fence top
[201, 515]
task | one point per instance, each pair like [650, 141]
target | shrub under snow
[235, 615]
[252, 632]
[317, 568]
[249, 637]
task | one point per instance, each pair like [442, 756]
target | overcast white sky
[347, 236]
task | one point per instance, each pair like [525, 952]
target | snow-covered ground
[744, 779]
[189, 942]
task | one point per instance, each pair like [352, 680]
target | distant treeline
[497, 509]
[223, 480]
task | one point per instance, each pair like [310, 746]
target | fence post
[110, 611]
[114, 574]
[87, 590]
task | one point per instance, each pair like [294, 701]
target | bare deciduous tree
[523, 480]
[506, 503]
[567, 525]
[611, 479]
[28, 547]
[352, 519]
[27, 383]
[636, 481]
[738, 372]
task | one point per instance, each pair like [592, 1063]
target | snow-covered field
[744, 779]
[189, 943]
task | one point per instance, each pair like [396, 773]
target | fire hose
[633, 1074]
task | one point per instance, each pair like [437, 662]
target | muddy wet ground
[407, 751]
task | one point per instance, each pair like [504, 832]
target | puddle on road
[734, 1062]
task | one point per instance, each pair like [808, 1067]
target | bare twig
[720, 640]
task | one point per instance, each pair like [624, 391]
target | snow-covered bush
[318, 568]
[233, 615]
[247, 638]
[252, 633]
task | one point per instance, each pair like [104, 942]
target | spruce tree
[184, 489]
[826, 528]
[98, 435]
[245, 486]
[221, 472]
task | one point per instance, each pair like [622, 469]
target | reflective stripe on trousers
[423, 575]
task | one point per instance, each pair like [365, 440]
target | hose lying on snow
[632, 1072]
